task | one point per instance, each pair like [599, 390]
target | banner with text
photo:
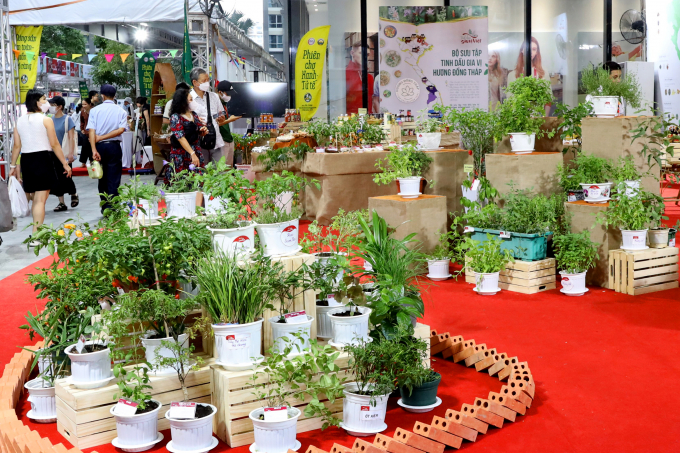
[28, 43]
[147, 65]
[309, 62]
[433, 55]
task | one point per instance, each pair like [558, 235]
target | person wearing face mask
[223, 89]
[34, 136]
[63, 126]
[96, 99]
[168, 105]
[201, 97]
[86, 149]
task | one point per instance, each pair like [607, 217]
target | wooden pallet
[526, 277]
[83, 416]
[643, 271]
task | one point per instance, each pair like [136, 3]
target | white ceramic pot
[349, 329]
[44, 362]
[410, 187]
[137, 432]
[152, 347]
[182, 205]
[470, 194]
[634, 239]
[605, 106]
[438, 269]
[283, 329]
[487, 284]
[658, 238]
[213, 205]
[521, 142]
[275, 437]
[279, 239]
[193, 435]
[43, 402]
[234, 353]
[284, 201]
[91, 370]
[150, 206]
[429, 140]
[359, 418]
[368, 267]
[573, 284]
[631, 187]
[324, 328]
[234, 241]
[596, 193]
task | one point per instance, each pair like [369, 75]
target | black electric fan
[633, 27]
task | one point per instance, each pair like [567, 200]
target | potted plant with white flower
[575, 253]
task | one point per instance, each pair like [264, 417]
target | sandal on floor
[60, 207]
[74, 201]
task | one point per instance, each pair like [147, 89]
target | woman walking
[34, 136]
[86, 148]
[63, 126]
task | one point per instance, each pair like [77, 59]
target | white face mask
[53, 109]
[45, 107]
[193, 106]
[205, 86]
[225, 98]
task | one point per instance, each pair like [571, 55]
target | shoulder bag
[209, 140]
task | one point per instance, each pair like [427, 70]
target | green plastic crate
[525, 247]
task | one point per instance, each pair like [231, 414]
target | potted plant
[593, 174]
[575, 253]
[181, 194]
[632, 215]
[570, 125]
[626, 176]
[659, 136]
[280, 158]
[339, 238]
[394, 311]
[349, 324]
[283, 382]
[658, 233]
[428, 131]
[90, 362]
[487, 259]
[143, 195]
[418, 383]
[606, 92]
[324, 281]
[405, 165]
[222, 185]
[439, 260]
[231, 232]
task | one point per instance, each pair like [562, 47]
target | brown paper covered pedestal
[543, 144]
[536, 171]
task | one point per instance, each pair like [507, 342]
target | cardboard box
[535, 171]
[446, 171]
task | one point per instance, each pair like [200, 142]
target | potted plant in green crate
[606, 92]
[406, 165]
[418, 383]
[575, 253]
[486, 259]
[633, 215]
[181, 195]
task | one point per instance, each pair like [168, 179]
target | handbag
[6, 220]
[209, 140]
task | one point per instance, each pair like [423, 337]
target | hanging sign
[28, 40]
[147, 64]
[82, 87]
[309, 62]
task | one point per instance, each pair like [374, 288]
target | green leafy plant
[231, 217]
[575, 252]
[341, 236]
[221, 180]
[270, 195]
[183, 181]
[586, 169]
[322, 131]
[570, 123]
[402, 163]
[373, 367]
[625, 170]
[487, 257]
[657, 135]
[134, 190]
[486, 193]
[392, 308]
[595, 81]
[351, 293]
[244, 144]
[181, 359]
[427, 124]
[524, 109]
[322, 277]
[635, 212]
[410, 370]
[280, 158]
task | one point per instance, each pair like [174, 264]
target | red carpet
[605, 367]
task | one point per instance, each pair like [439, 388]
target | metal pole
[364, 55]
[607, 47]
[527, 37]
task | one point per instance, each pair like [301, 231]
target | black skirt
[38, 172]
[64, 184]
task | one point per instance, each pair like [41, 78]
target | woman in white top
[34, 136]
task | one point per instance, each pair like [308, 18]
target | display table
[306, 140]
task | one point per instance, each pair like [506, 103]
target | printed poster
[147, 65]
[432, 55]
[663, 33]
[28, 43]
[309, 63]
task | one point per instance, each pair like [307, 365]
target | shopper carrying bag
[17, 198]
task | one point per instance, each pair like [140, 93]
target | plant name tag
[183, 410]
[468, 168]
[469, 229]
[505, 234]
[368, 414]
[125, 407]
[81, 344]
[237, 341]
[276, 414]
[296, 317]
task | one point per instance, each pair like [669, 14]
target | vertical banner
[663, 34]
[309, 62]
[147, 64]
[82, 87]
[187, 62]
[28, 40]
[433, 55]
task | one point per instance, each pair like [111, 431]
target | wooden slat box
[643, 271]
[526, 277]
[83, 416]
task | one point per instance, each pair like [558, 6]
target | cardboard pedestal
[543, 144]
[426, 216]
[446, 171]
[536, 171]
[583, 218]
[611, 138]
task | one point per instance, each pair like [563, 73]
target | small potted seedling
[439, 260]
[90, 361]
[349, 324]
[626, 176]
[575, 253]
[487, 260]
[406, 165]
[418, 383]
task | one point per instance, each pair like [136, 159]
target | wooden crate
[526, 277]
[643, 271]
[83, 416]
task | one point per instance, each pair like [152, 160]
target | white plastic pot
[596, 193]
[429, 140]
[521, 142]
[368, 267]
[283, 329]
[182, 205]
[658, 238]
[284, 201]
[324, 328]
[631, 187]
[605, 106]
[90, 370]
[470, 194]
[234, 241]
[194, 435]
[137, 432]
[275, 437]
[151, 346]
[213, 205]
[44, 362]
[229, 355]
[43, 402]
[573, 284]
[349, 329]
[150, 206]
[279, 239]
[359, 418]
[438, 269]
[634, 239]
[487, 284]
[410, 187]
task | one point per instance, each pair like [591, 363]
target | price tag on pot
[183, 410]
[505, 234]
[469, 229]
[468, 168]
[81, 344]
[368, 414]
[241, 244]
[331, 299]
[237, 341]
[276, 414]
[567, 285]
[289, 236]
[296, 317]
[125, 407]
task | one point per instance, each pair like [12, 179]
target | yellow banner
[311, 55]
[28, 43]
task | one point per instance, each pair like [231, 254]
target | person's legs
[39, 200]
[112, 166]
[85, 151]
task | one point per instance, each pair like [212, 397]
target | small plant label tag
[469, 229]
[594, 192]
[331, 299]
[125, 407]
[468, 168]
[567, 285]
[368, 414]
[183, 410]
[237, 341]
[296, 317]
[289, 236]
[276, 414]
[241, 244]
[81, 344]
[639, 239]
[505, 234]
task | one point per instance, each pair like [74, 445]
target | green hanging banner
[187, 63]
[147, 64]
[84, 92]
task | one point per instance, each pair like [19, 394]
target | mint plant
[575, 252]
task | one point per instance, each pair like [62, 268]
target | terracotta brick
[466, 351]
[483, 415]
[496, 408]
[361, 446]
[517, 394]
[388, 444]
[439, 347]
[417, 441]
[527, 379]
[454, 428]
[470, 422]
[496, 367]
[433, 332]
[504, 373]
[439, 338]
[456, 347]
[524, 387]
[59, 448]
[311, 449]
[481, 354]
[46, 445]
[337, 448]
[508, 402]
[486, 362]
[437, 435]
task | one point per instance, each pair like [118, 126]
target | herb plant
[134, 190]
[635, 212]
[406, 162]
[392, 309]
[657, 134]
[341, 236]
[575, 252]
[269, 195]
[221, 180]
[524, 110]
[184, 181]
[373, 366]
[626, 170]
[570, 125]
[280, 158]
[595, 81]
[487, 257]
[411, 371]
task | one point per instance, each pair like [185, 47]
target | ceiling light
[141, 34]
